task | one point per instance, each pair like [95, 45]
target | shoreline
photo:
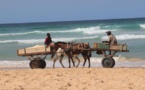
[95, 63]
[140, 64]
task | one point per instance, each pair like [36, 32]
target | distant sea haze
[16, 36]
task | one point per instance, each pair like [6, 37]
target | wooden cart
[102, 48]
[36, 55]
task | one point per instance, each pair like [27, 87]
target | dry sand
[73, 79]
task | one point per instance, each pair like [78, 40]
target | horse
[86, 53]
[73, 51]
[84, 50]
[61, 49]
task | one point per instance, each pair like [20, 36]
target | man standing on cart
[112, 40]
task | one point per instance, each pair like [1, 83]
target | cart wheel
[108, 62]
[34, 64]
[42, 64]
[113, 63]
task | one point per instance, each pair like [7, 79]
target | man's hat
[108, 32]
[48, 34]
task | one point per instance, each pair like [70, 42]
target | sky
[23, 11]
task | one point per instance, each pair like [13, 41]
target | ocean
[23, 35]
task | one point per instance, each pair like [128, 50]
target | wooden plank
[35, 50]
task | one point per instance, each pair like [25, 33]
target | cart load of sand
[34, 50]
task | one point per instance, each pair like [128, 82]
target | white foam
[14, 63]
[42, 32]
[30, 41]
[142, 25]
[23, 41]
[119, 37]
[87, 30]
[94, 30]
[25, 63]
[94, 59]
[73, 39]
[17, 34]
[126, 37]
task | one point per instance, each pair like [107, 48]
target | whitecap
[87, 30]
[142, 25]
[31, 41]
[126, 37]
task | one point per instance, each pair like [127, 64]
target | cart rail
[35, 50]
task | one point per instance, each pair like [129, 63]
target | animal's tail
[90, 54]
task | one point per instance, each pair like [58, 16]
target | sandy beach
[128, 74]
[73, 79]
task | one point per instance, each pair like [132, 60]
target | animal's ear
[87, 43]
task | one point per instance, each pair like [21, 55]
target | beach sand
[128, 74]
[73, 79]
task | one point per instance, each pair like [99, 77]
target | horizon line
[72, 21]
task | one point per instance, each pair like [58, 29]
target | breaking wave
[88, 30]
[31, 41]
[23, 41]
[142, 25]
[69, 39]
[126, 37]
[91, 30]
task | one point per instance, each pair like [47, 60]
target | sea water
[23, 35]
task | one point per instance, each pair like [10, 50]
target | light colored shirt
[112, 39]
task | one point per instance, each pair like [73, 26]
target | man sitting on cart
[48, 42]
[112, 40]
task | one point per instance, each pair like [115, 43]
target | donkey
[86, 53]
[75, 50]
[84, 50]
[61, 49]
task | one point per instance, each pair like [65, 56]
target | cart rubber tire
[113, 63]
[34, 64]
[42, 64]
[108, 62]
